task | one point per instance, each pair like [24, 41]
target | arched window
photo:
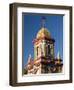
[46, 50]
[49, 50]
[37, 50]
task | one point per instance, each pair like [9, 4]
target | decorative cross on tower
[43, 22]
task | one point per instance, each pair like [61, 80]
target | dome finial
[43, 21]
[43, 32]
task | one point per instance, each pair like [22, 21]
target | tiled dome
[43, 32]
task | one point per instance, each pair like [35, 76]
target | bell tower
[43, 50]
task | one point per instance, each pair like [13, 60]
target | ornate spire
[29, 58]
[58, 55]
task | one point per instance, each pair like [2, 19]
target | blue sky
[31, 26]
